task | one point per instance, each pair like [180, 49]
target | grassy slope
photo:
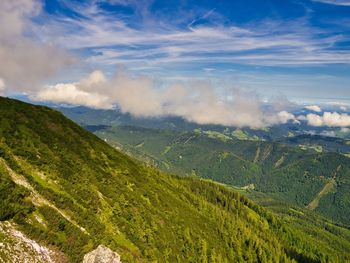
[287, 173]
[86, 193]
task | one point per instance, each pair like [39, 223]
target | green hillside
[293, 174]
[70, 191]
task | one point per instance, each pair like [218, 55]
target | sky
[182, 57]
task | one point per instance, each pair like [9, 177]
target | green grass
[241, 135]
[217, 135]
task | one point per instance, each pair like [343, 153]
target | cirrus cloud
[334, 2]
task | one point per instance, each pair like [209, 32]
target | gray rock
[102, 254]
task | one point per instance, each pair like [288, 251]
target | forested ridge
[289, 173]
[86, 193]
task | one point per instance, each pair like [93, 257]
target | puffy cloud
[236, 108]
[70, 94]
[80, 93]
[284, 117]
[314, 108]
[136, 95]
[28, 62]
[142, 97]
[330, 119]
[313, 119]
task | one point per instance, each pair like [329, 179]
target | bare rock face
[102, 254]
[17, 247]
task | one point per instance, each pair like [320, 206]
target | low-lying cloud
[314, 108]
[330, 119]
[196, 101]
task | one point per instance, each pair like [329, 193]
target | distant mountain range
[283, 161]
[87, 116]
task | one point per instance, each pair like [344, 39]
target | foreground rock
[17, 247]
[102, 254]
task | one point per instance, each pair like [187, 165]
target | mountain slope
[287, 173]
[70, 191]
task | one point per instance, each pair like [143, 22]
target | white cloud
[14, 15]
[24, 62]
[330, 119]
[70, 94]
[284, 117]
[85, 92]
[314, 108]
[140, 96]
[334, 2]
[158, 42]
[313, 119]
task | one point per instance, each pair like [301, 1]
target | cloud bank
[140, 96]
[330, 119]
[196, 101]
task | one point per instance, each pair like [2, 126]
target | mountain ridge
[139, 212]
[288, 172]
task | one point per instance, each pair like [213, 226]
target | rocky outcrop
[102, 254]
[17, 247]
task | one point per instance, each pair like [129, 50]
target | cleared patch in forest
[330, 186]
[266, 153]
[257, 154]
[280, 161]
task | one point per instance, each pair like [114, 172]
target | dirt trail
[36, 197]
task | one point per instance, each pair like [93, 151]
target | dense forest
[71, 191]
[301, 175]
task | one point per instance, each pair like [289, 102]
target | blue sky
[206, 61]
[300, 49]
